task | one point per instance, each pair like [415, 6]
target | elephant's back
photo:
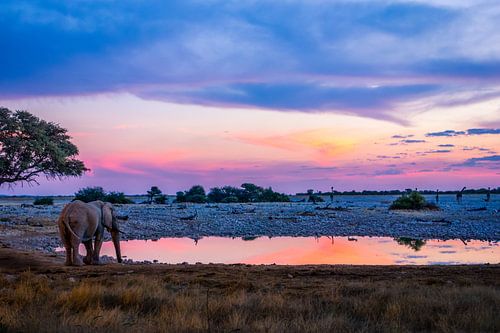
[78, 209]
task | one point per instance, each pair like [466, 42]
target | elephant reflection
[82, 222]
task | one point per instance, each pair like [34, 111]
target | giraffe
[460, 194]
[488, 195]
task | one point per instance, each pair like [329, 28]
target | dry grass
[232, 299]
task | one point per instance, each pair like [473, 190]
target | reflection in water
[415, 244]
[309, 250]
[249, 238]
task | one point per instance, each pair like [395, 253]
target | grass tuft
[156, 303]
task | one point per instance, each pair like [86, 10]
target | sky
[289, 94]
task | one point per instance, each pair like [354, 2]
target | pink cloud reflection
[305, 250]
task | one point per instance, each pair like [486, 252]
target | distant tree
[89, 194]
[268, 195]
[180, 197]
[216, 194]
[196, 198]
[194, 194]
[252, 192]
[230, 199]
[152, 193]
[45, 201]
[196, 190]
[117, 198]
[30, 147]
[314, 197]
[231, 191]
[161, 199]
[247, 193]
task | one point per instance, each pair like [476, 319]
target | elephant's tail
[65, 228]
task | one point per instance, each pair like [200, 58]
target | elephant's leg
[77, 259]
[97, 250]
[88, 246]
[68, 248]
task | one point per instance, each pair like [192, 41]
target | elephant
[80, 222]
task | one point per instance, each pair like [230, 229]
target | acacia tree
[152, 193]
[31, 147]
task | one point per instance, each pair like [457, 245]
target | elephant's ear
[107, 215]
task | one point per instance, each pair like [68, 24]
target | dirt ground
[38, 293]
[14, 261]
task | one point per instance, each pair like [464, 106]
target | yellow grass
[163, 302]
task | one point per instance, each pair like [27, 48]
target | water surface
[309, 250]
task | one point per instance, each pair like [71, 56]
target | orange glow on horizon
[305, 250]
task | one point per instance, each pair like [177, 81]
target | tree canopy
[89, 194]
[153, 193]
[247, 193]
[31, 147]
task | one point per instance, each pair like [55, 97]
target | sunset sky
[289, 94]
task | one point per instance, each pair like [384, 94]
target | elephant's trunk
[115, 235]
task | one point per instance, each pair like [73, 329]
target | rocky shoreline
[33, 227]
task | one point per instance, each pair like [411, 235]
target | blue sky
[286, 93]
[350, 56]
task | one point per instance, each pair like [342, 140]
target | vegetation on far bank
[228, 194]
[43, 201]
[400, 192]
[89, 194]
[412, 201]
[196, 194]
[155, 195]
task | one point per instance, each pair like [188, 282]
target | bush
[89, 194]
[315, 198]
[117, 198]
[195, 194]
[231, 199]
[196, 198]
[46, 201]
[196, 190]
[161, 199]
[180, 197]
[247, 193]
[217, 194]
[412, 201]
[268, 195]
